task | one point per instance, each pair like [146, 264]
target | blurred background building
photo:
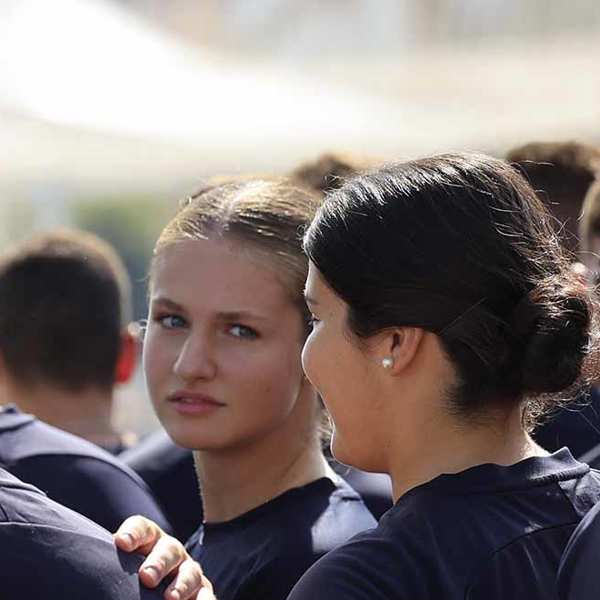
[112, 110]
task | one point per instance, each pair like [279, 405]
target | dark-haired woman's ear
[400, 346]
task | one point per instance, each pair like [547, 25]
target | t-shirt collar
[489, 477]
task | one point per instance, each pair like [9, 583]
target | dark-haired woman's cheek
[339, 370]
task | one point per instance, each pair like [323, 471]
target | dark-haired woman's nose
[195, 359]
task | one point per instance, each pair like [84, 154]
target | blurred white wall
[296, 30]
[95, 95]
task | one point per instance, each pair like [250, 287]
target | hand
[165, 555]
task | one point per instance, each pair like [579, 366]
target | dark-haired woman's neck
[454, 447]
[420, 433]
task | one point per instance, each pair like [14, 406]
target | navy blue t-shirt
[490, 532]
[49, 551]
[262, 553]
[73, 471]
[579, 572]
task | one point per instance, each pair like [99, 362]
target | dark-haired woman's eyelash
[243, 331]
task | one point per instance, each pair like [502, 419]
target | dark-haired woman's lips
[190, 403]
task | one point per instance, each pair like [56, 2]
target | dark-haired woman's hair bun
[554, 326]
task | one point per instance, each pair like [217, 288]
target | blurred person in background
[590, 254]
[226, 326]
[47, 548]
[66, 339]
[163, 465]
[563, 173]
[63, 347]
[329, 171]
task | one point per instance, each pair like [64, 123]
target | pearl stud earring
[387, 363]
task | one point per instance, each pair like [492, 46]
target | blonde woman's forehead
[219, 272]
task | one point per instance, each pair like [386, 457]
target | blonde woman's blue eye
[242, 331]
[171, 321]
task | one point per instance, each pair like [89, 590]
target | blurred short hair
[561, 174]
[64, 298]
[589, 224]
[329, 171]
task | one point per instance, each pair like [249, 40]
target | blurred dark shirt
[576, 426]
[73, 471]
[169, 472]
[49, 551]
[374, 488]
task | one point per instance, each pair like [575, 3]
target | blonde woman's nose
[195, 359]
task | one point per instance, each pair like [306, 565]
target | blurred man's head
[589, 232]
[561, 173]
[65, 302]
[328, 171]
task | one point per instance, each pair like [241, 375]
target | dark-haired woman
[446, 319]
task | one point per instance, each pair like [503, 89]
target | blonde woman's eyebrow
[167, 303]
[240, 315]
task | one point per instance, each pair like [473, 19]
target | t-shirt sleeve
[48, 562]
[579, 572]
[96, 489]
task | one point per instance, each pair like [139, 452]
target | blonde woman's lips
[193, 403]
